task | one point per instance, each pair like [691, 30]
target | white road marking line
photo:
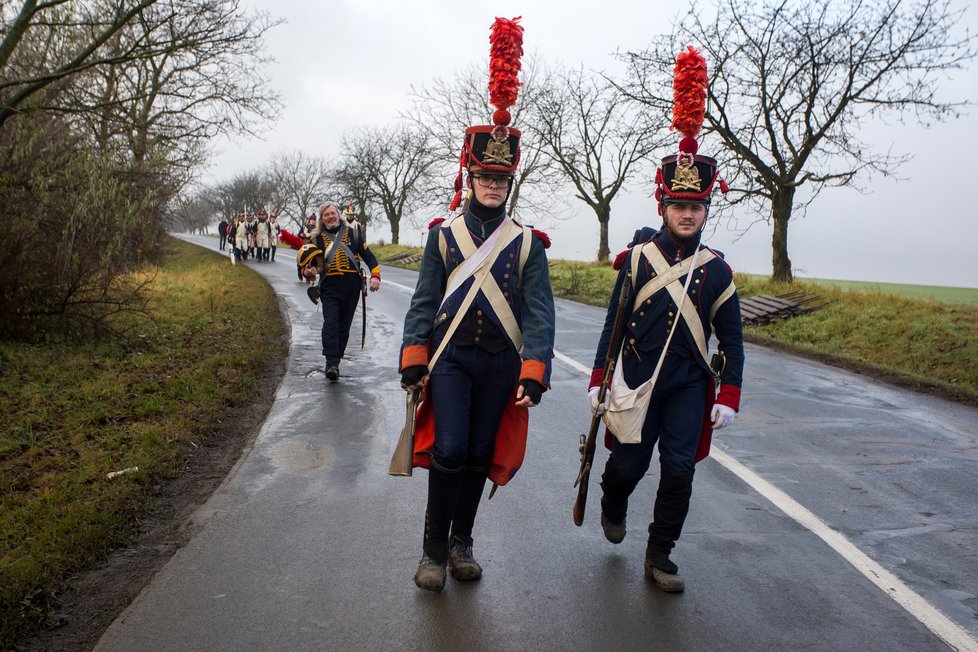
[928, 615]
[572, 363]
[398, 286]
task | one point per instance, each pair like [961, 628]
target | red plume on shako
[688, 176]
[496, 147]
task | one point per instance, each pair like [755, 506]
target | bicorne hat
[688, 177]
[496, 147]
[307, 253]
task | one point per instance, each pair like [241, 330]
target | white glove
[597, 408]
[722, 416]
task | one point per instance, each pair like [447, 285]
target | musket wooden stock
[588, 443]
[402, 461]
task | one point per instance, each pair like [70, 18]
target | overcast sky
[346, 63]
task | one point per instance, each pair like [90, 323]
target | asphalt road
[871, 542]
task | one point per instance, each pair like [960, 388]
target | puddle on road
[301, 457]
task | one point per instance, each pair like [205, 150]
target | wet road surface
[310, 545]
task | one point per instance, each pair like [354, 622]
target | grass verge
[72, 414]
[916, 336]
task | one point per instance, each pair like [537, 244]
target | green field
[937, 293]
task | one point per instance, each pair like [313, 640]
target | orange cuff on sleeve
[533, 370]
[414, 355]
[375, 271]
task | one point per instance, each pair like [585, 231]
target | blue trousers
[339, 296]
[469, 388]
[674, 421]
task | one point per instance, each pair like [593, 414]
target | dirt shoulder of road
[94, 598]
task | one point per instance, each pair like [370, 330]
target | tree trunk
[395, 228]
[780, 214]
[604, 215]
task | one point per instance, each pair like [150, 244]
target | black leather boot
[442, 497]
[332, 369]
[668, 517]
[462, 563]
[614, 504]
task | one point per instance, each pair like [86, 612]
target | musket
[402, 461]
[588, 442]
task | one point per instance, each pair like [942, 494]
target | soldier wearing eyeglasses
[478, 340]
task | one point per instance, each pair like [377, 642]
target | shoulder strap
[525, 252]
[442, 246]
[726, 294]
[664, 272]
[479, 278]
[679, 296]
[338, 244]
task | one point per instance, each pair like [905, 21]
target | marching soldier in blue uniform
[340, 283]
[663, 390]
[478, 336]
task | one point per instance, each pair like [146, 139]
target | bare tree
[193, 212]
[446, 108]
[791, 83]
[354, 188]
[247, 191]
[49, 41]
[302, 182]
[596, 139]
[161, 78]
[395, 163]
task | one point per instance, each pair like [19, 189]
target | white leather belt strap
[726, 294]
[665, 276]
[679, 296]
[493, 245]
[490, 288]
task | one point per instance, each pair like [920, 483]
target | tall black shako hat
[688, 177]
[496, 147]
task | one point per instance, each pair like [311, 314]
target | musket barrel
[587, 450]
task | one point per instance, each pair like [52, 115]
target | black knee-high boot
[471, 487]
[669, 514]
[443, 491]
[616, 490]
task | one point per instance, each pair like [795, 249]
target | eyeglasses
[487, 181]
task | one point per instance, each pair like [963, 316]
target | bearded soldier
[340, 283]
[479, 333]
[663, 389]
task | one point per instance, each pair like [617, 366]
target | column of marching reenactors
[251, 235]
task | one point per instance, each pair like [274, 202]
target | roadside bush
[75, 224]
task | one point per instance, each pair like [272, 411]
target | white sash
[492, 245]
[495, 296]
[627, 407]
